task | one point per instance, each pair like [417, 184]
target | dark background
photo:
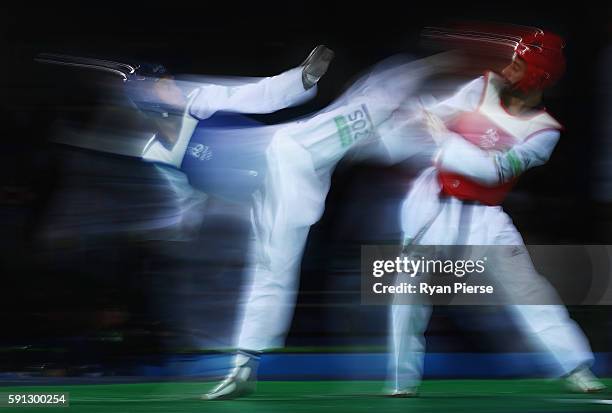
[56, 297]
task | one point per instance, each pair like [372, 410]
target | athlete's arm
[492, 167]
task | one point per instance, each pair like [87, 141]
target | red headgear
[543, 53]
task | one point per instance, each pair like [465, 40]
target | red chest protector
[491, 128]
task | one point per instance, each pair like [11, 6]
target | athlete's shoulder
[471, 93]
[548, 121]
[477, 85]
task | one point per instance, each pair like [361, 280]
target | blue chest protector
[224, 158]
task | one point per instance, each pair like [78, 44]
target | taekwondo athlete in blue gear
[300, 157]
[203, 135]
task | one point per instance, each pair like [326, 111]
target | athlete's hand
[435, 126]
[169, 93]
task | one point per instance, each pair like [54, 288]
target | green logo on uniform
[344, 131]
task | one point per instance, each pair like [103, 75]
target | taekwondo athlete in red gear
[489, 133]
